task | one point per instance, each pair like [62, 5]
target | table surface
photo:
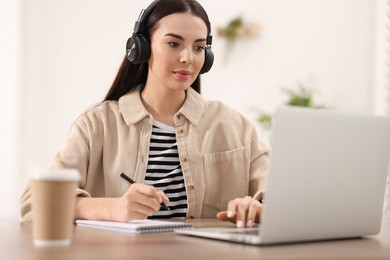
[89, 243]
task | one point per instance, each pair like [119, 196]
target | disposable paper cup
[53, 205]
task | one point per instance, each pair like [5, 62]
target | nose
[186, 56]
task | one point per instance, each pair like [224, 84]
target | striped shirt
[164, 171]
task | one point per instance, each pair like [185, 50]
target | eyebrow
[182, 38]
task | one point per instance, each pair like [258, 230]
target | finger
[144, 195]
[222, 215]
[164, 198]
[150, 191]
[142, 211]
[137, 215]
[253, 211]
[232, 209]
[128, 209]
[242, 210]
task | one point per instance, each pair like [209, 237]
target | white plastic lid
[55, 175]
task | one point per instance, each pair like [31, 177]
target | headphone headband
[140, 24]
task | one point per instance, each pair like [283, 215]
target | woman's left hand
[242, 211]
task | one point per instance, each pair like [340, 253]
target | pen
[131, 181]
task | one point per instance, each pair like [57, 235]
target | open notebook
[135, 226]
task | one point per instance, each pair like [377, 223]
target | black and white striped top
[164, 171]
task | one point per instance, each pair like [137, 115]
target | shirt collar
[194, 106]
[133, 110]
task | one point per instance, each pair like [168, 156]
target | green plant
[231, 33]
[231, 28]
[265, 120]
[301, 96]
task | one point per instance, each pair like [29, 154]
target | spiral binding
[165, 228]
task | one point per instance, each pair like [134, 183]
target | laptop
[326, 179]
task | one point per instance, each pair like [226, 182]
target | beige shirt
[219, 151]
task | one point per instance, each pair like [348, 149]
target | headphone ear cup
[208, 61]
[138, 49]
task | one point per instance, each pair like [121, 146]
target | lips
[183, 74]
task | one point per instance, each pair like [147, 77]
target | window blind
[9, 106]
[387, 80]
[388, 57]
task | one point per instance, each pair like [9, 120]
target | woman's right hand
[139, 202]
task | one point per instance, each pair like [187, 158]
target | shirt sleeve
[75, 154]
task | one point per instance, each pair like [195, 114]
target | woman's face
[178, 51]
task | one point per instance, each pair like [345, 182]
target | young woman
[200, 158]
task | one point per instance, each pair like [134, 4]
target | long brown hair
[131, 75]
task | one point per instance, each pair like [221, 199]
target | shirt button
[184, 159]
[191, 217]
[178, 116]
[191, 187]
[180, 130]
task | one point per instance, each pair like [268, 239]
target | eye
[173, 44]
[199, 48]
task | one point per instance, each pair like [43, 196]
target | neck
[162, 103]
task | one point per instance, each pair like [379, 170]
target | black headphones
[138, 45]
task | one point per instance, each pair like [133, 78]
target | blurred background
[59, 57]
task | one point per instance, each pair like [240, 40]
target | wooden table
[92, 244]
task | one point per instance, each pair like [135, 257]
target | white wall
[328, 41]
[72, 50]
[381, 93]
